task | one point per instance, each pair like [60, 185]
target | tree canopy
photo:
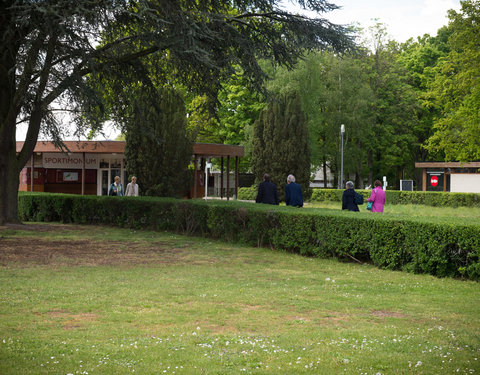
[49, 47]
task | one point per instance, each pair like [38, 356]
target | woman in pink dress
[377, 197]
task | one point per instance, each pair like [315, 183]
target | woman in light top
[132, 188]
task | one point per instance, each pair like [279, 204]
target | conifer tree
[281, 144]
[158, 148]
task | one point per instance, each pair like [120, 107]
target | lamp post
[342, 131]
[208, 166]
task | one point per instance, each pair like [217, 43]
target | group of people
[267, 192]
[116, 188]
[377, 197]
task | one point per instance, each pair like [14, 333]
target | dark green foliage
[440, 249]
[157, 147]
[247, 193]
[428, 198]
[281, 144]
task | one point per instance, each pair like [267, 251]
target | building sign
[435, 180]
[70, 161]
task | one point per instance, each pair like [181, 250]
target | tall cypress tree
[158, 148]
[281, 144]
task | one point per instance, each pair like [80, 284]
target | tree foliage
[456, 89]
[158, 148]
[49, 47]
[280, 142]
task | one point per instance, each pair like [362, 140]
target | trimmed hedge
[436, 248]
[428, 198]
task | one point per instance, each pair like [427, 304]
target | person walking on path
[377, 197]
[132, 188]
[267, 191]
[116, 188]
[293, 192]
[348, 198]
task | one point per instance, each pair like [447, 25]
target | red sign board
[434, 181]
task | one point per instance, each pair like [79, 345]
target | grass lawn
[100, 300]
[459, 214]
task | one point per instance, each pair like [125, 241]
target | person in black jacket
[348, 198]
[267, 191]
[293, 192]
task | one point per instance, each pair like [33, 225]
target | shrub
[428, 198]
[437, 248]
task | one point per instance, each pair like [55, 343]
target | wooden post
[221, 179]
[444, 179]
[83, 173]
[195, 165]
[424, 179]
[32, 165]
[236, 177]
[228, 177]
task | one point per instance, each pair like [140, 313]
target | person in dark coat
[348, 198]
[267, 191]
[293, 192]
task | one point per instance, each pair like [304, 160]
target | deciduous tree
[48, 47]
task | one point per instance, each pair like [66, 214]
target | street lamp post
[208, 166]
[342, 131]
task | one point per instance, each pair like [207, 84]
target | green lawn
[99, 300]
[460, 214]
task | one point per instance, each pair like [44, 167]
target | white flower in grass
[327, 279]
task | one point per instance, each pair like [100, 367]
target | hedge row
[440, 249]
[428, 198]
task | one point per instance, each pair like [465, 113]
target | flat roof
[447, 164]
[112, 147]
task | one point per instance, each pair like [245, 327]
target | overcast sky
[404, 19]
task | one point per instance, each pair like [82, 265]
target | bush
[428, 198]
[440, 249]
[247, 193]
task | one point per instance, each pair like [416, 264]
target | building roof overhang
[448, 164]
[112, 147]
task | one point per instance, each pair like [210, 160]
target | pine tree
[158, 148]
[281, 143]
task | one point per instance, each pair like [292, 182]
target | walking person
[267, 191]
[132, 188]
[348, 198]
[116, 188]
[293, 192]
[377, 197]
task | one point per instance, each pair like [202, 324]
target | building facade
[89, 167]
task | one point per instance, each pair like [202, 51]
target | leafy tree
[334, 90]
[48, 47]
[456, 89]
[280, 143]
[420, 58]
[158, 148]
[395, 112]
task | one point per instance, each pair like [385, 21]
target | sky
[403, 19]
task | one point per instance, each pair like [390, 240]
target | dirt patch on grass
[387, 314]
[37, 251]
[43, 227]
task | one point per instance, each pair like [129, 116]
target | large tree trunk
[9, 181]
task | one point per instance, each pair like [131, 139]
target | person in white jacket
[132, 188]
